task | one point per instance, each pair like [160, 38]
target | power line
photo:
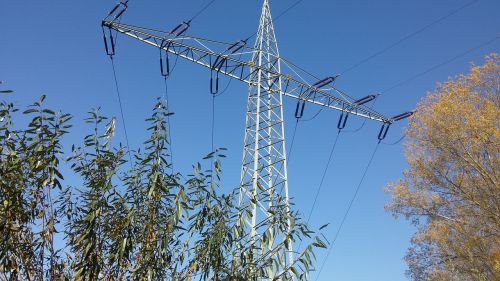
[168, 124]
[434, 67]
[396, 142]
[279, 16]
[227, 85]
[364, 121]
[121, 109]
[287, 10]
[404, 135]
[318, 190]
[315, 115]
[403, 39]
[212, 152]
[213, 122]
[442, 63]
[346, 214]
[119, 97]
[202, 10]
[166, 93]
[293, 141]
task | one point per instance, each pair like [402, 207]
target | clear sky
[55, 48]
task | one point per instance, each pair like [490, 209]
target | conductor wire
[403, 39]
[442, 63]
[169, 125]
[278, 17]
[318, 189]
[290, 149]
[349, 207]
[121, 109]
[202, 10]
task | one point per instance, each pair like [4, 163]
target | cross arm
[224, 59]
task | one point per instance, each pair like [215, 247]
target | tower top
[265, 6]
[266, 37]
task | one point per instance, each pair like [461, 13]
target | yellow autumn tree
[451, 189]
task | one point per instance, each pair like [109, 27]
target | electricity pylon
[264, 181]
[264, 196]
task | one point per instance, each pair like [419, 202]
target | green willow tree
[29, 175]
[124, 221]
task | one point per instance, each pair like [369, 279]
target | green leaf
[323, 226]
[31, 110]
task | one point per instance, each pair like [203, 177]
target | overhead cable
[202, 10]
[290, 149]
[121, 109]
[410, 35]
[442, 63]
[318, 189]
[166, 89]
[111, 52]
[279, 16]
[396, 142]
[349, 207]
[169, 124]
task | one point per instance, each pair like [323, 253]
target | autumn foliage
[451, 189]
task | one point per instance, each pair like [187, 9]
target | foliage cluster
[451, 189]
[125, 221]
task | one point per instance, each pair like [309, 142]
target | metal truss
[222, 60]
[264, 182]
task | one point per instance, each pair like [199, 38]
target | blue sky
[55, 48]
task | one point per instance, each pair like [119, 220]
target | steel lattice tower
[264, 182]
[263, 199]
